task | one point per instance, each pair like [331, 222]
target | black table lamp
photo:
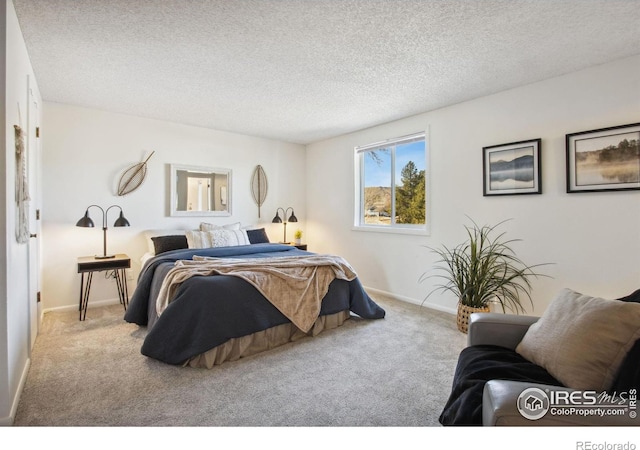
[86, 221]
[277, 219]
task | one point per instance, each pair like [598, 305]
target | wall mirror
[200, 191]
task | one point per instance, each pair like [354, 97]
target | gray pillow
[582, 340]
[258, 236]
[167, 243]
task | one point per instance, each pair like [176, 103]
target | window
[391, 180]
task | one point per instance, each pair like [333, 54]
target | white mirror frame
[173, 188]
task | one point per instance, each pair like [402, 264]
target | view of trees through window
[393, 184]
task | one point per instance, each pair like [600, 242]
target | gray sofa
[499, 396]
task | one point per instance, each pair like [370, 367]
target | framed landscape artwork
[512, 169]
[607, 159]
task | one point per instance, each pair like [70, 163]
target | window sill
[392, 230]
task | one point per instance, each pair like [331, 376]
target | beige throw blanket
[295, 285]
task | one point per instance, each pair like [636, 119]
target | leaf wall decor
[133, 177]
[259, 186]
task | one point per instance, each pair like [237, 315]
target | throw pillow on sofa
[582, 341]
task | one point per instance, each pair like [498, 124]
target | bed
[218, 313]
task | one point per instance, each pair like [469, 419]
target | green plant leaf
[484, 269]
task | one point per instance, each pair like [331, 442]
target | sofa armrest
[499, 408]
[505, 330]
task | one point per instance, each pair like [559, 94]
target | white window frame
[358, 211]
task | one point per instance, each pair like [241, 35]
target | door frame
[34, 174]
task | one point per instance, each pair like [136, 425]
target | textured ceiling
[303, 71]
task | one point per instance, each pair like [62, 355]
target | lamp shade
[121, 221]
[293, 218]
[85, 221]
[276, 219]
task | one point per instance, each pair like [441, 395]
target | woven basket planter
[464, 313]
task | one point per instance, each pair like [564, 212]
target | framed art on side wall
[607, 159]
[512, 169]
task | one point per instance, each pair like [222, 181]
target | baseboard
[8, 421]
[412, 300]
[92, 304]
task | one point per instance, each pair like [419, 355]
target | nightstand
[300, 246]
[90, 264]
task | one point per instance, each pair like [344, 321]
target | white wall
[14, 294]
[84, 154]
[593, 239]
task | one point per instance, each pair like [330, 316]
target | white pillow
[199, 239]
[217, 238]
[204, 226]
[229, 238]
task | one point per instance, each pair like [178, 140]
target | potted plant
[483, 270]
[298, 237]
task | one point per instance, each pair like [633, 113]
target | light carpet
[368, 373]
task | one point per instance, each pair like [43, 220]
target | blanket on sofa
[477, 365]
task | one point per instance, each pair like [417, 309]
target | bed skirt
[261, 341]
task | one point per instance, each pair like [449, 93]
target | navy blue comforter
[208, 311]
